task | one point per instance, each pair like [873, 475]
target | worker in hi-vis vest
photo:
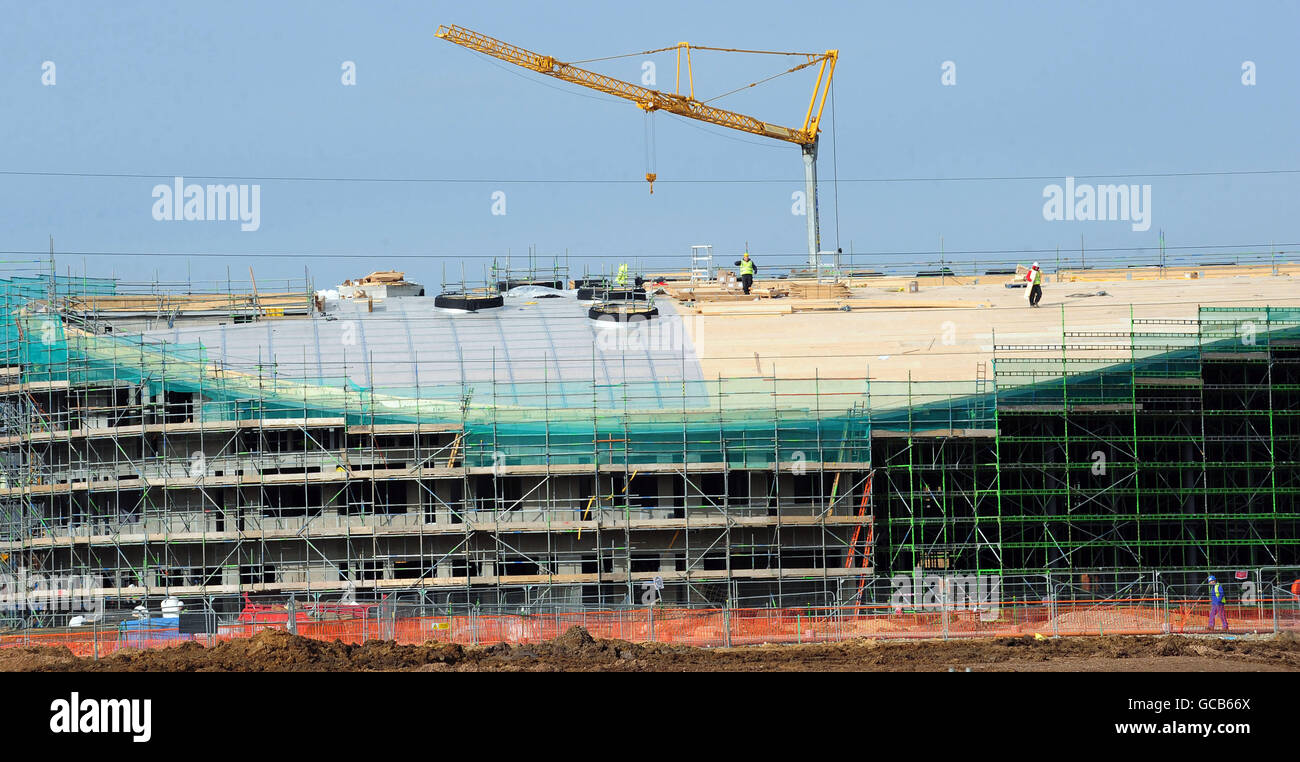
[1216, 604]
[747, 270]
[621, 278]
[1035, 279]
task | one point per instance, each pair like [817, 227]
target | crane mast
[649, 100]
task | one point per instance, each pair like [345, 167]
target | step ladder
[701, 263]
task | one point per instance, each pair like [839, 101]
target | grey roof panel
[408, 342]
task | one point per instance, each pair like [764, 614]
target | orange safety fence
[721, 627]
[1193, 615]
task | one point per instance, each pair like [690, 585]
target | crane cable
[761, 81]
[651, 174]
[700, 47]
[813, 58]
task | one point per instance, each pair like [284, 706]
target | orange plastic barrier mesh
[719, 627]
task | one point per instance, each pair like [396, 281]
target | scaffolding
[507, 275]
[160, 467]
[1170, 446]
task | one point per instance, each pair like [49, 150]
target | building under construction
[783, 449]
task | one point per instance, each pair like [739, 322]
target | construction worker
[1216, 604]
[621, 278]
[1035, 279]
[747, 270]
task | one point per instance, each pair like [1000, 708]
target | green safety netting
[742, 421]
[23, 296]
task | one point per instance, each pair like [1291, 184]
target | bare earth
[576, 651]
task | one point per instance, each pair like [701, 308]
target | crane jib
[646, 98]
[683, 105]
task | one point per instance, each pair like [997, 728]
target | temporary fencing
[921, 606]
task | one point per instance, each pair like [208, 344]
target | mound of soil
[577, 651]
[37, 659]
[267, 651]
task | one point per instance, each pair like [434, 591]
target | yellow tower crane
[686, 104]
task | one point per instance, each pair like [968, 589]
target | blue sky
[148, 91]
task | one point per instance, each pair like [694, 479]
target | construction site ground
[577, 651]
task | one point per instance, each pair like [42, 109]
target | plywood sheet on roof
[944, 332]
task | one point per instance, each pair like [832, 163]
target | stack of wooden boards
[165, 303]
[794, 306]
[815, 290]
[1181, 271]
[781, 297]
[378, 277]
[718, 291]
[728, 290]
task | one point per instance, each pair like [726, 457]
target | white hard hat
[1035, 264]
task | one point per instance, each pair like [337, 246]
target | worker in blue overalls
[1216, 604]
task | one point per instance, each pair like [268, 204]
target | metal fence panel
[919, 605]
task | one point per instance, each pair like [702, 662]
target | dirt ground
[577, 651]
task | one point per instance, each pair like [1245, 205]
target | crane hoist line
[684, 104]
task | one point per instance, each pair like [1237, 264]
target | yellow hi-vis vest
[746, 267]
